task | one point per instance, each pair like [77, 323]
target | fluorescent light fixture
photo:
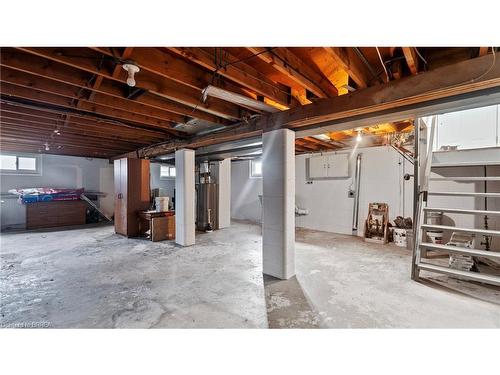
[322, 137]
[232, 97]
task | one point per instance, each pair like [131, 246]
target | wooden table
[161, 225]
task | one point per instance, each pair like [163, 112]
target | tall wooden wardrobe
[132, 194]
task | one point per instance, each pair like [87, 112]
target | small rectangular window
[27, 164]
[8, 163]
[167, 171]
[20, 164]
[255, 168]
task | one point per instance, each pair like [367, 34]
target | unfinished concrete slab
[94, 278]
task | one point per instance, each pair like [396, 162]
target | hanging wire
[419, 55]
[383, 64]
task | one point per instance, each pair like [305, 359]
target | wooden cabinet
[329, 166]
[55, 214]
[132, 194]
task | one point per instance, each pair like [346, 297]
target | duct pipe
[355, 213]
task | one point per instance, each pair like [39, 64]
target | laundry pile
[47, 194]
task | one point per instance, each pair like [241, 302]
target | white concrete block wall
[185, 198]
[157, 182]
[224, 182]
[278, 196]
[245, 191]
[59, 172]
[330, 208]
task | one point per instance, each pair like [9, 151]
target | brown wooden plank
[29, 114]
[321, 143]
[447, 84]
[68, 151]
[167, 88]
[289, 64]
[45, 130]
[44, 97]
[82, 102]
[346, 58]
[240, 73]
[23, 121]
[42, 67]
[483, 51]
[411, 59]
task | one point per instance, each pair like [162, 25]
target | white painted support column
[278, 196]
[224, 181]
[184, 197]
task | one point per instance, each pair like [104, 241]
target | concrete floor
[93, 278]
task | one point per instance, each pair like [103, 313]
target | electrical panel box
[329, 166]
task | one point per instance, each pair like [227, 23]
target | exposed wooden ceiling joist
[24, 111]
[321, 143]
[450, 87]
[81, 100]
[167, 88]
[289, 64]
[65, 74]
[348, 61]
[411, 59]
[240, 73]
[142, 121]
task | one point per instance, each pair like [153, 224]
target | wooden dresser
[55, 214]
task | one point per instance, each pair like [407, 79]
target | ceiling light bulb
[358, 137]
[131, 70]
[47, 148]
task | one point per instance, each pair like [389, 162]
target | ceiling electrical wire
[491, 66]
[383, 64]
[420, 55]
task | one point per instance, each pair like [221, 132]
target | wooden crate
[163, 228]
[55, 214]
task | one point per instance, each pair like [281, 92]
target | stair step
[465, 164]
[464, 179]
[462, 211]
[486, 232]
[489, 279]
[461, 250]
[464, 194]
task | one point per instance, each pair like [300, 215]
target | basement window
[255, 168]
[20, 164]
[167, 172]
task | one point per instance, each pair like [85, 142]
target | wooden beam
[97, 130]
[346, 58]
[65, 74]
[449, 88]
[81, 102]
[65, 139]
[321, 143]
[240, 73]
[68, 151]
[289, 64]
[306, 145]
[30, 112]
[167, 88]
[30, 139]
[43, 128]
[44, 97]
[411, 59]
[483, 51]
